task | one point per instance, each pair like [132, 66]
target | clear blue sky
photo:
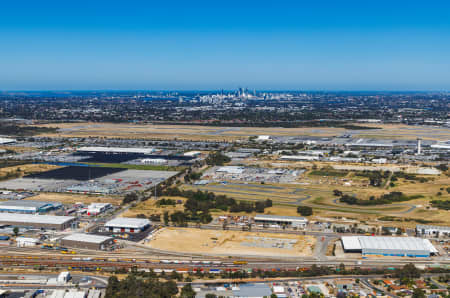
[324, 45]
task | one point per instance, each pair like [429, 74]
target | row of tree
[388, 198]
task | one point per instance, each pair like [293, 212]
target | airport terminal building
[388, 246]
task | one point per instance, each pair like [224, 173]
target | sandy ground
[75, 198]
[227, 243]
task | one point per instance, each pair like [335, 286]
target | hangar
[37, 221]
[126, 224]
[388, 246]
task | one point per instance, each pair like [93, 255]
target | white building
[294, 221]
[97, 208]
[126, 224]
[153, 161]
[388, 246]
[299, 157]
[26, 242]
[192, 153]
[433, 231]
[263, 138]
[231, 170]
[116, 150]
[6, 141]
[63, 277]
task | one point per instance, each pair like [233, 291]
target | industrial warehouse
[432, 231]
[23, 206]
[88, 241]
[129, 225]
[293, 221]
[388, 246]
[37, 221]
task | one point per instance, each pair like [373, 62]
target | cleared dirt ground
[75, 198]
[228, 243]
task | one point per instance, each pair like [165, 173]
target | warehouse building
[4, 141]
[293, 221]
[23, 206]
[433, 231]
[388, 246]
[231, 170]
[116, 150]
[126, 224]
[95, 209]
[87, 241]
[37, 221]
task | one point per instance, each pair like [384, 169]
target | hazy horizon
[203, 45]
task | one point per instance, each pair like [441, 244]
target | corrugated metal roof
[279, 218]
[127, 222]
[351, 242]
[87, 238]
[117, 150]
[392, 243]
[39, 219]
[28, 203]
[429, 227]
[387, 243]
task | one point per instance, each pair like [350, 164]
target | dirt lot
[228, 243]
[75, 198]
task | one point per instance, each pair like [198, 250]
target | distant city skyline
[203, 45]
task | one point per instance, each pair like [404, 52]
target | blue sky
[155, 45]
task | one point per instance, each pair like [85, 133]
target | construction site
[231, 243]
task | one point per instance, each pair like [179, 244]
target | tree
[187, 291]
[166, 218]
[337, 193]
[418, 293]
[217, 159]
[129, 197]
[209, 295]
[16, 231]
[304, 210]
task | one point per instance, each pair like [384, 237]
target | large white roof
[127, 222]
[403, 243]
[280, 218]
[387, 243]
[39, 219]
[6, 140]
[351, 242]
[231, 169]
[117, 150]
[87, 238]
